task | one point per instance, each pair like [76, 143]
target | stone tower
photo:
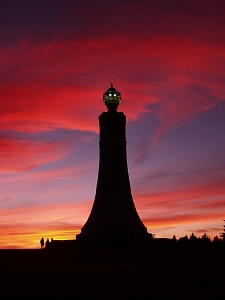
[113, 218]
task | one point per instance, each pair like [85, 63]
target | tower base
[115, 239]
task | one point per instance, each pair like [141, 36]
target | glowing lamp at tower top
[112, 97]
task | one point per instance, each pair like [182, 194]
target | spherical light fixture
[112, 98]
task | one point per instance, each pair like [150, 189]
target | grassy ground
[160, 273]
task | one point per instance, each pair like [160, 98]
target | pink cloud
[50, 85]
[182, 208]
[22, 155]
[186, 198]
[184, 218]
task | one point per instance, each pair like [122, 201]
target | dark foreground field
[159, 273]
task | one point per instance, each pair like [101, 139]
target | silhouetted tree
[216, 240]
[205, 240]
[193, 239]
[223, 233]
[183, 241]
[174, 240]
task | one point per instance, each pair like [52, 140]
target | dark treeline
[193, 240]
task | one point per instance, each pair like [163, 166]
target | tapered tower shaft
[113, 215]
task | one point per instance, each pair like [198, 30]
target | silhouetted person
[47, 243]
[42, 242]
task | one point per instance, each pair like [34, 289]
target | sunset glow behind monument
[57, 57]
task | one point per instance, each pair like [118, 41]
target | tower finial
[112, 97]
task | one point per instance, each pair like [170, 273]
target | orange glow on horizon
[29, 238]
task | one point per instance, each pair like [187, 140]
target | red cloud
[186, 199]
[197, 204]
[185, 223]
[22, 155]
[49, 86]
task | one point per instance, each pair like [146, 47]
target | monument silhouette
[113, 218]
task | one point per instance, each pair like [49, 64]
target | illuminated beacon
[112, 97]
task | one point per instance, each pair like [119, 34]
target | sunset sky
[57, 58]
